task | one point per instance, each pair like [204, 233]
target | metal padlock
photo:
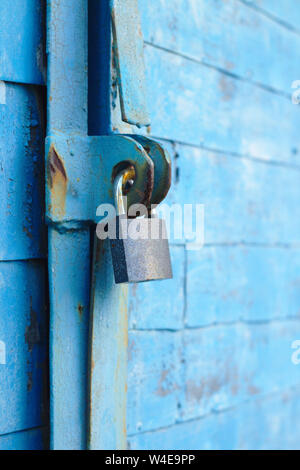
[142, 258]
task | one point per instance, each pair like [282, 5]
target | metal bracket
[80, 171]
[162, 167]
[128, 47]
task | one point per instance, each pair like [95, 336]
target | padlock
[142, 257]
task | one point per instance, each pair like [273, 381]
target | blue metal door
[23, 280]
[210, 356]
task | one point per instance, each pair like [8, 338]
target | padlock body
[140, 251]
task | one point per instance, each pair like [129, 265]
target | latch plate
[80, 172]
[128, 48]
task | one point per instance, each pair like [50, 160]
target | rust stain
[229, 65]
[80, 309]
[33, 135]
[28, 233]
[227, 88]
[165, 384]
[57, 181]
[32, 337]
[253, 390]
[212, 385]
[29, 381]
[32, 333]
[134, 289]
[206, 388]
[131, 349]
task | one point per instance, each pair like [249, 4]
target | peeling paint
[57, 180]
[32, 333]
[80, 309]
[2, 92]
[165, 385]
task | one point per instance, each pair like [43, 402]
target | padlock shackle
[118, 193]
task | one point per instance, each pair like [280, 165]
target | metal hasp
[80, 172]
[88, 312]
[128, 48]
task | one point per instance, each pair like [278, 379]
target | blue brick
[270, 423]
[154, 380]
[213, 109]
[227, 284]
[240, 202]
[24, 331]
[227, 365]
[146, 308]
[229, 35]
[31, 439]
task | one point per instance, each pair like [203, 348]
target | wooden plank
[236, 363]
[215, 369]
[266, 423]
[108, 321]
[248, 275]
[31, 439]
[233, 283]
[199, 105]
[22, 233]
[22, 41]
[245, 201]
[24, 340]
[69, 287]
[228, 35]
[154, 379]
[283, 11]
[69, 250]
[108, 355]
[160, 304]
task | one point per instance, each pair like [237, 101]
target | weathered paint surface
[108, 355]
[210, 365]
[69, 248]
[228, 35]
[32, 439]
[129, 60]
[24, 386]
[273, 417]
[23, 330]
[22, 40]
[285, 13]
[108, 322]
[22, 173]
[209, 352]
[69, 288]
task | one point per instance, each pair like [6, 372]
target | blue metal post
[108, 325]
[69, 246]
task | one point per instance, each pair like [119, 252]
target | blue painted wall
[23, 285]
[210, 352]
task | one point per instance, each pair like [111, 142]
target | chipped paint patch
[29, 381]
[2, 353]
[80, 309]
[57, 181]
[2, 92]
[32, 333]
[166, 385]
